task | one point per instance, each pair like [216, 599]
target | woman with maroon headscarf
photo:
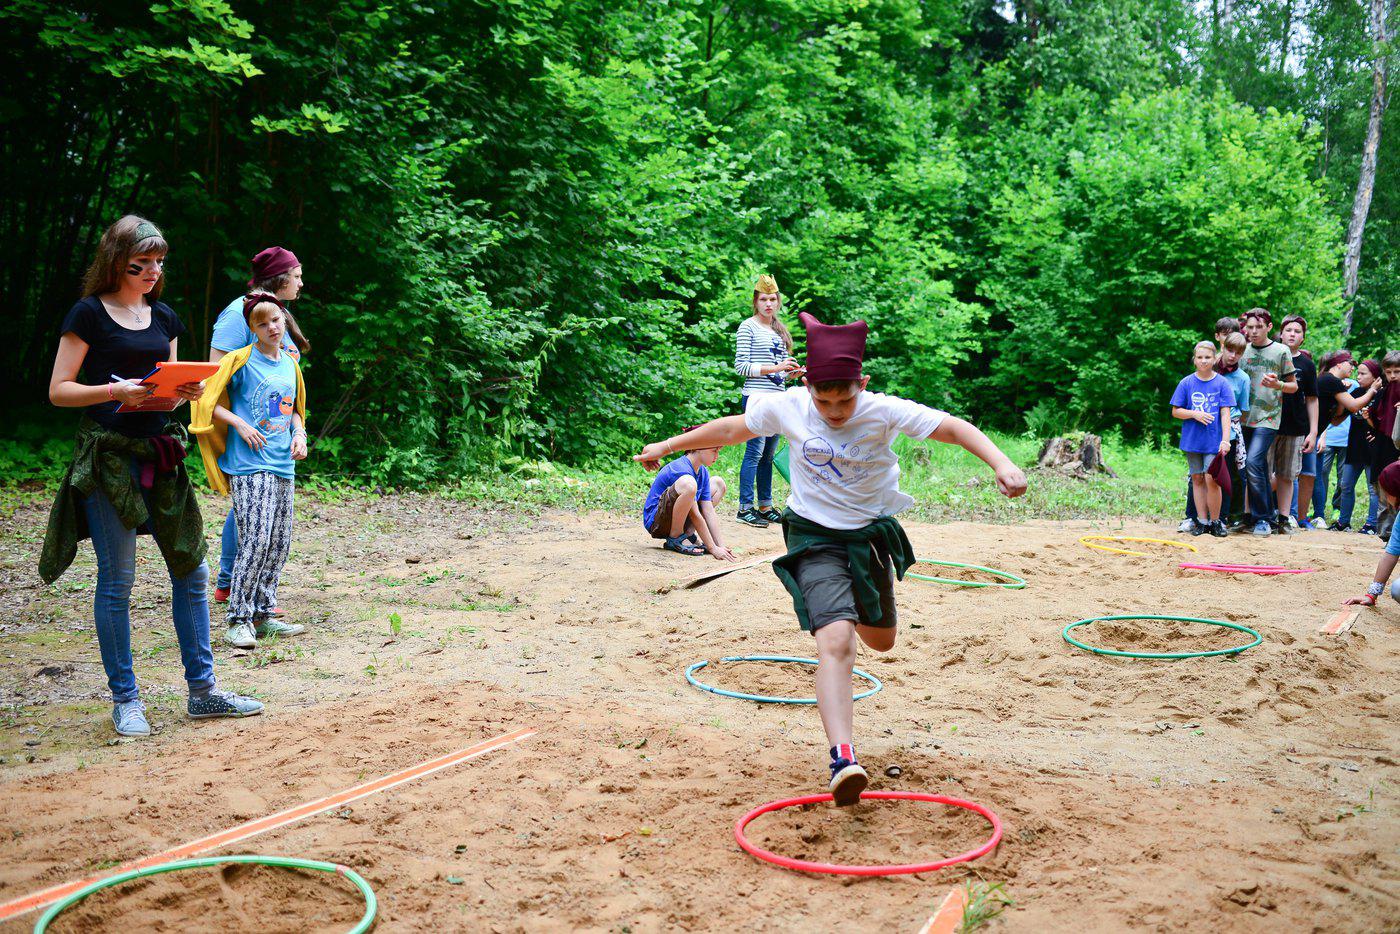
[1383, 416]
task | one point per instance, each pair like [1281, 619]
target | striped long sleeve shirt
[757, 346]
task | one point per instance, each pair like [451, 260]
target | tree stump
[1079, 455]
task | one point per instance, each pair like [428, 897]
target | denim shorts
[1196, 462]
[1309, 465]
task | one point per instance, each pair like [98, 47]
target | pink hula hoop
[802, 865]
[1247, 568]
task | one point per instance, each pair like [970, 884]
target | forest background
[530, 227]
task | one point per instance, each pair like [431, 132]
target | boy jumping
[845, 548]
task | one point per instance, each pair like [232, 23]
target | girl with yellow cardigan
[259, 393]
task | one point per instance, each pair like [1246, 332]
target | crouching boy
[679, 507]
[845, 548]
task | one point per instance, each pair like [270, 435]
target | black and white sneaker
[751, 517]
[848, 779]
[218, 703]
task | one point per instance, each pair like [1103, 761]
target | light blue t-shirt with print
[232, 333]
[263, 392]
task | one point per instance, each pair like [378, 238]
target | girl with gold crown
[763, 358]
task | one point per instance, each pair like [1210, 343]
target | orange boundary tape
[1340, 622]
[949, 914]
[262, 825]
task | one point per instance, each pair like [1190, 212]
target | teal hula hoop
[361, 926]
[1011, 582]
[1170, 656]
[764, 699]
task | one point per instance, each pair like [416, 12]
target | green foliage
[1120, 235]
[529, 229]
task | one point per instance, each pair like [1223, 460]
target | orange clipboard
[168, 375]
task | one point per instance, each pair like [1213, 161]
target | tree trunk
[1077, 455]
[1366, 182]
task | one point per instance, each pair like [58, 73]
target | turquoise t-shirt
[232, 333]
[263, 392]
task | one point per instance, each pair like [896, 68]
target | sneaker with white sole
[130, 719]
[848, 780]
[219, 703]
[275, 627]
[1186, 525]
[241, 635]
[1262, 527]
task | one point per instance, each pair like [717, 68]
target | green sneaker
[275, 627]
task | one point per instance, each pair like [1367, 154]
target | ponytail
[294, 331]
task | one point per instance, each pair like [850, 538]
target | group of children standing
[1264, 432]
[127, 475]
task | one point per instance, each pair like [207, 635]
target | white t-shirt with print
[842, 478]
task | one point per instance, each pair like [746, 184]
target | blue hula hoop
[764, 699]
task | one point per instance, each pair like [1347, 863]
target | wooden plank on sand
[949, 914]
[1340, 622]
[699, 580]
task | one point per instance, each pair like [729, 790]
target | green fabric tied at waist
[883, 538]
[102, 460]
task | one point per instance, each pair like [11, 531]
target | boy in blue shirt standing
[679, 507]
[1203, 401]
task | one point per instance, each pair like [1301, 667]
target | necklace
[136, 312]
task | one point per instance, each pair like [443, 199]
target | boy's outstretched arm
[718, 433]
[1010, 480]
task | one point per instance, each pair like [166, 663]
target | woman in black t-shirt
[1360, 454]
[128, 471]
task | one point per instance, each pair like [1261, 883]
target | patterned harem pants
[262, 506]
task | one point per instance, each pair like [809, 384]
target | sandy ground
[1253, 793]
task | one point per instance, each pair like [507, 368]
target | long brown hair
[128, 237]
[778, 327]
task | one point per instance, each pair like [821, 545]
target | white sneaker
[1186, 525]
[241, 636]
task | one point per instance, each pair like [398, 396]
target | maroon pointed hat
[833, 351]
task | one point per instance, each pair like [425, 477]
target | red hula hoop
[802, 865]
[1247, 568]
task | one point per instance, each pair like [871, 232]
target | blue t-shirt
[1337, 435]
[1202, 395]
[263, 393]
[1392, 547]
[680, 467]
[1239, 382]
[232, 333]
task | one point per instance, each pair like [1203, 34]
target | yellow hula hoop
[1088, 540]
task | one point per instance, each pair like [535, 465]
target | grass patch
[984, 902]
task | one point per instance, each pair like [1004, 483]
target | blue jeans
[228, 552]
[1350, 474]
[1326, 459]
[1256, 465]
[115, 546]
[757, 465]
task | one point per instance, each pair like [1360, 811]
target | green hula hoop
[1010, 582]
[364, 924]
[1162, 655]
[765, 699]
